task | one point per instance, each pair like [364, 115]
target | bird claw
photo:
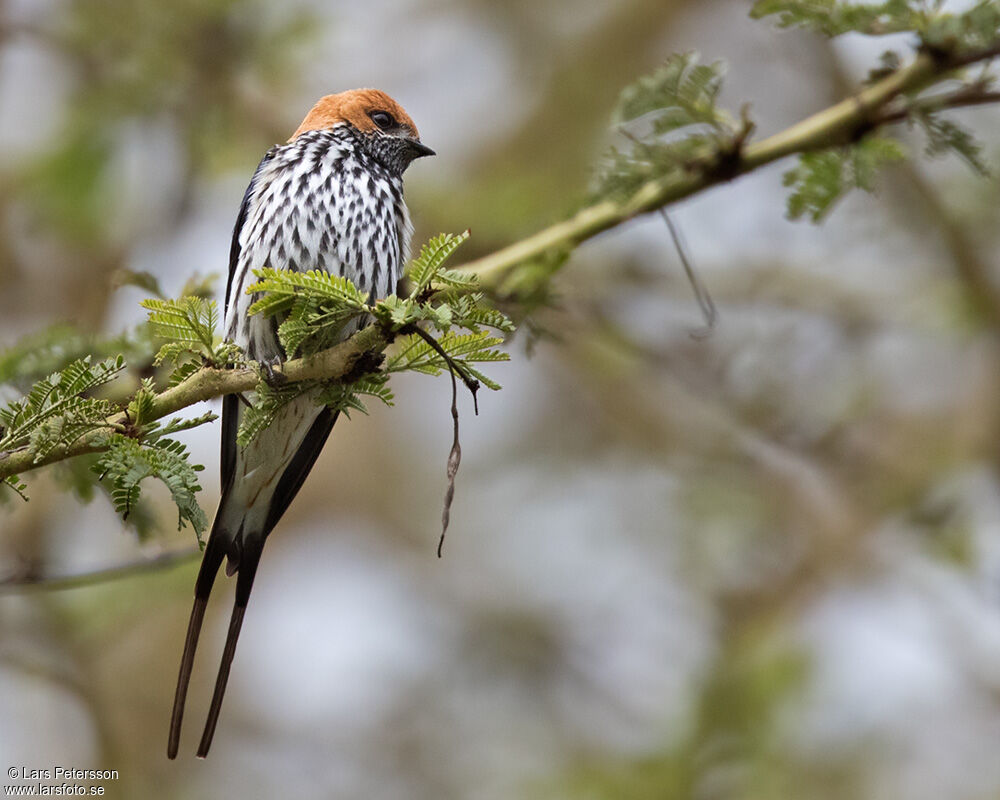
[267, 373]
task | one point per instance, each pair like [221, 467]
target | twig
[701, 293]
[470, 383]
[454, 460]
[966, 97]
[455, 455]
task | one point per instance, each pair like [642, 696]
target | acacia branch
[835, 126]
[209, 383]
[966, 97]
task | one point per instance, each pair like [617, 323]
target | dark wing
[231, 403]
[299, 467]
[241, 218]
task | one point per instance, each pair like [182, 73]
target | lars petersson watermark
[69, 781]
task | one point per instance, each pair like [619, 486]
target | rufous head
[373, 113]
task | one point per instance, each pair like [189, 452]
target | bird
[330, 198]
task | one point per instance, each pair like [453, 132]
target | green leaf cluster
[945, 136]
[415, 354]
[127, 462]
[73, 402]
[55, 347]
[820, 179]
[669, 120]
[673, 125]
[314, 307]
[428, 267]
[445, 299]
[679, 94]
[268, 401]
[186, 328]
[439, 296]
[314, 310]
[974, 28]
[348, 397]
[834, 17]
[977, 28]
[60, 409]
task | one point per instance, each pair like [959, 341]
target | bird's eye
[383, 119]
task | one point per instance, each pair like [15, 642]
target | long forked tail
[249, 559]
[215, 551]
[249, 548]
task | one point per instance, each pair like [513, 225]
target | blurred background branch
[91, 577]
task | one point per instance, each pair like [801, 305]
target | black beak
[420, 150]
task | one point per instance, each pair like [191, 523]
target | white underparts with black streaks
[322, 201]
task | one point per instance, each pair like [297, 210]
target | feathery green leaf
[820, 179]
[347, 397]
[668, 120]
[426, 268]
[57, 411]
[127, 462]
[833, 17]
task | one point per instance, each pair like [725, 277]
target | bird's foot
[268, 374]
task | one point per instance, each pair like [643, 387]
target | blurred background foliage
[761, 564]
